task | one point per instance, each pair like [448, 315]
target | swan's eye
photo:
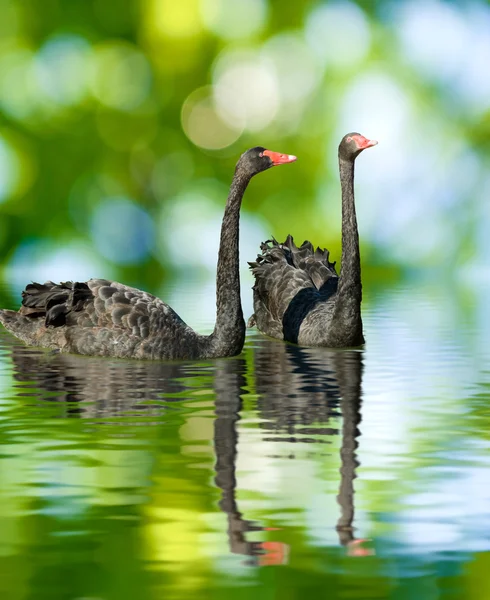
[349, 139]
[261, 155]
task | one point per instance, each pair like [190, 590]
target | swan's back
[100, 317]
[289, 281]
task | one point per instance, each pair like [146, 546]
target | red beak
[279, 159]
[363, 142]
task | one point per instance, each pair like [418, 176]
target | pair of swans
[298, 295]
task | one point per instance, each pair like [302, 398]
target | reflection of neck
[228, 384]
[349, 377]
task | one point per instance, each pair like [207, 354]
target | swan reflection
[97, 388]
[229, 385]
[100, 389]
[300, 394]
[300, 391]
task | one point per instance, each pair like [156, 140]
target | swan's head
[259, 159]
[353, 144]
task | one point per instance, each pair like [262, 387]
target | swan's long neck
[349, 294]
[350, 275]
[229, 331]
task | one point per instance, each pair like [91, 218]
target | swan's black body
[298, 295]
[105, 318]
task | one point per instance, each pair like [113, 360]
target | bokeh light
[121, 76]
[378, 106]
[17, 82]
[202, 123]
[427, 48]
[237, 19]
[122, 231]
[37, 259]
[427, 45]
[338, 33]
[246, 90]
[62, 67]
[139, 106]
[196, 215]
[173, 19]
[293, 65]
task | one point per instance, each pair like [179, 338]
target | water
[282, 473]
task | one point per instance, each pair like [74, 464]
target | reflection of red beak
[279, 159]
[355, 548]
[363, 143]
[276, 553]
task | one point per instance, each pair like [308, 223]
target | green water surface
[281, 473]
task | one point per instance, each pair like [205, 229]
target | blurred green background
[120, 125]
[121, 122]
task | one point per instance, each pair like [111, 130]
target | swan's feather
[315, 263]
[96, 303]
[282, 271]
[101, 317]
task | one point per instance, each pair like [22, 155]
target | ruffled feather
[289, 282]
[315, 263]
[54, 301]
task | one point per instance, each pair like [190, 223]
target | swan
[298, 296]
[105, 318]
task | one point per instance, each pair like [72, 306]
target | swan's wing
[313, 262]
[101, 318]
[282, 272]
[97, 303]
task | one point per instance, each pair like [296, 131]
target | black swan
[298, 295]
[105, 318]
